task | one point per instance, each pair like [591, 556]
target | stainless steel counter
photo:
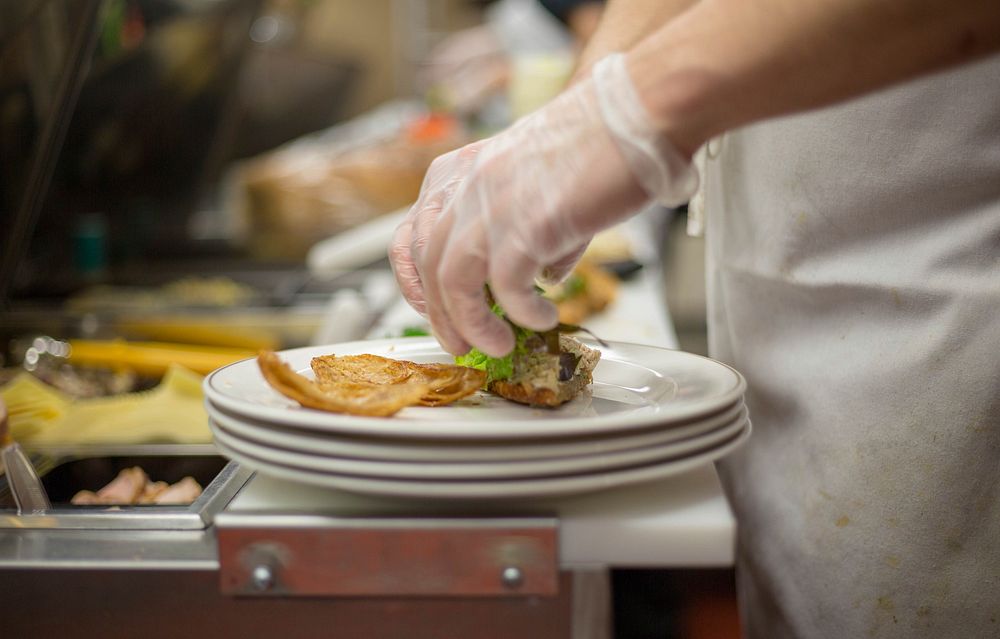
[166, 583]
[108, 550]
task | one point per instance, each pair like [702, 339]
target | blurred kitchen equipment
[29, 494]
[288, 91]
[337, 179]
[125, 117]
[5, 439]
[346, 318]
[354, 248]
[350, 313]
[172, 412]
[536, 78]
[81, 468]
[153, 358]
[27, 489]
[45, 103]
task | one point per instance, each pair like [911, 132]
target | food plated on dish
[370, 385]
[635, 387]
[545, 369]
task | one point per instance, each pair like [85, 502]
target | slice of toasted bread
[536, 376]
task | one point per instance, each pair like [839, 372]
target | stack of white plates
[650, 413]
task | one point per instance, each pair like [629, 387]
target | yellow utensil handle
[152, 358]
[5, 438]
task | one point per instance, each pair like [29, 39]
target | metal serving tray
[64, 471]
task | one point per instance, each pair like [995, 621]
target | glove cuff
[654, 161]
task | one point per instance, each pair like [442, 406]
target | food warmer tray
[66, 470]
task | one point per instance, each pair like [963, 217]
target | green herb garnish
[497, 368]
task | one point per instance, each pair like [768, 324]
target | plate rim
[429, 429]
[502, 490]
[498, 470]
[470, 448]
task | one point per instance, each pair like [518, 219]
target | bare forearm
[624, 23]
[725, 63]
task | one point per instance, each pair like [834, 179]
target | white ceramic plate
[483, 470]
[634, 387]
[493, 489]
[448, 450]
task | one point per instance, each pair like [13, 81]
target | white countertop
[681, 521]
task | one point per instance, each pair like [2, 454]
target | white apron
[854, 278]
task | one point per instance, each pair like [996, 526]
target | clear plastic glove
[408, 248]
[525, 202]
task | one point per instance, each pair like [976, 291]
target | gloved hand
[409, 242]
[504, 209]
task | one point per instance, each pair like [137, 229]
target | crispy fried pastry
[446, 382]
[373, 369]
[344, 396]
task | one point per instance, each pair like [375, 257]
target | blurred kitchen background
[159, 101]
[184, 182]
[138, 135]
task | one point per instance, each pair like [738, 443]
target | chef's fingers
[428, 264]
[444, 178]
[404, 269]
[408, 246]
[409, 242]
[512, 281]
[462, 275]
[423, 226]
[410, 236]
